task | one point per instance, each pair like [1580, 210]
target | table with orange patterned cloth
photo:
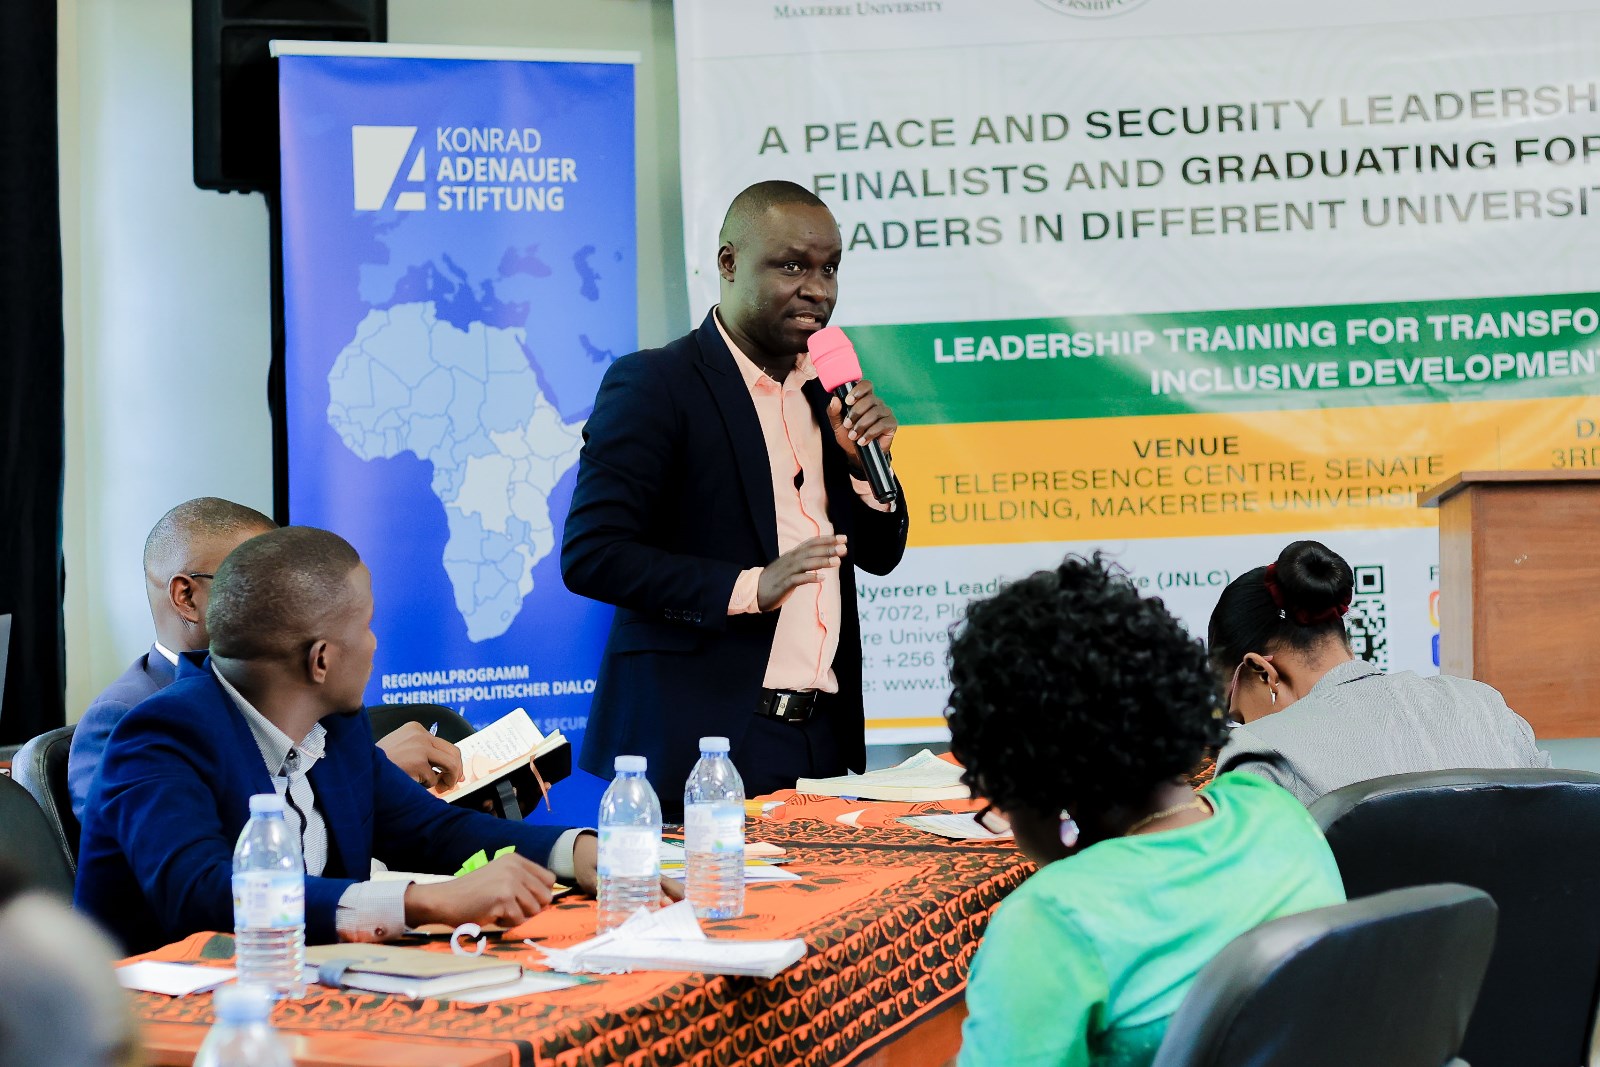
[891, 917]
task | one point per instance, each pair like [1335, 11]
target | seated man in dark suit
[279, 708]
[181, 556]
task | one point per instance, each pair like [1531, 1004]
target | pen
[434, 729]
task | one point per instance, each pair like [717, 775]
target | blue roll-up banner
[459, 271]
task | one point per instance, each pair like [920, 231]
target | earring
[1069, 830]
[1273, 692]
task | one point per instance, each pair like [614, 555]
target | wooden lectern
[1519, 591]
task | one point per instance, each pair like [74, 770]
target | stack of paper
[172, 979]
[961, 827]
[675, 864]
[671, 940]
[498, 749]
[922, 777]
[530, 982]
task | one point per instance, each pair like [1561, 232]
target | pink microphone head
[834, 358]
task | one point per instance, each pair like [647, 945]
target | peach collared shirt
[808, 622]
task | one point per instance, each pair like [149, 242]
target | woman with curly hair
[1317, 718]
[1077, 709]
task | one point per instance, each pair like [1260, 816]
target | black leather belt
[787, 705]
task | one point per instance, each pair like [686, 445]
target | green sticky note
[479, 859]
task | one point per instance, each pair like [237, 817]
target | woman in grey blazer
[1315, 717]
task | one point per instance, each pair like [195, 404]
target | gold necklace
[1197, 802]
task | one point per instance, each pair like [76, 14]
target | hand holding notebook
[497, 750]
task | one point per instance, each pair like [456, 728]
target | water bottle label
[268, 899]
[629, 852]
[713, 828]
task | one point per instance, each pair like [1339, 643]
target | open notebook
[922, 777]
[505, 745]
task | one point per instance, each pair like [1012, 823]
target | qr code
[1368, 620]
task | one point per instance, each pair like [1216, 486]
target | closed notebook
[407, 972]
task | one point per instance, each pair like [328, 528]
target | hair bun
[1316, 582]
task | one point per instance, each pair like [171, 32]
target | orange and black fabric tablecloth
[891, 917]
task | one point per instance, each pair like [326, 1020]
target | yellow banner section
[927, 722]
[1210, 474]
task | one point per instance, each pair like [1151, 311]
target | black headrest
[41, 768]
[387, 718]
[1388, 981]
[1502, 793]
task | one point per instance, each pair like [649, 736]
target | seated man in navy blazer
[278, 708]
[722, 506]
[181, 556]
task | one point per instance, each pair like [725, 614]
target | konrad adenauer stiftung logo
[473, 168]
[1091, 9]
[380, 155]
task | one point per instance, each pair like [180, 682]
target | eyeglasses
[991, 820]
[199, 574]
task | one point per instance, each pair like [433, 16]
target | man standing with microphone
[723, 505]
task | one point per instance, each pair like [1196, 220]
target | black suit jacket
[673, 501]
[173, 794]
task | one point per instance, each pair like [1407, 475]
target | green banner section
[1353, 355]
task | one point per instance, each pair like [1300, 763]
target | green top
[1085, 963]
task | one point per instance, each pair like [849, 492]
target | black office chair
[29, 843]
[41, 769]
[387, 718]
[1528, 838]
[1386, 981]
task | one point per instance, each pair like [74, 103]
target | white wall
[166, 321]
[167, 317]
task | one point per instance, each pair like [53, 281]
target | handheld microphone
[838, 369]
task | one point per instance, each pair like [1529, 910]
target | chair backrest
[387, 718]
[1528, 838]
[41, 768]
[29, 843]
[1389, 980]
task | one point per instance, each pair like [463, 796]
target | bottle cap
[266, 802]
[713, 744]
[635, 764]
[247, 1003]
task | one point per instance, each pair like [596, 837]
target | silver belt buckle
[787, 705]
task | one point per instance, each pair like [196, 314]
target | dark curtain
[32, 423]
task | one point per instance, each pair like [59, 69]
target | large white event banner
[1181, 281]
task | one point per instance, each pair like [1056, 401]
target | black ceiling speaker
[236, 81]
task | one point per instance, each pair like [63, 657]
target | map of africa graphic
[446, 366]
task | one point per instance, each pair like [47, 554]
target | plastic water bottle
[630, 845]
[269, 901]
[242, 1036]
[713, 833]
